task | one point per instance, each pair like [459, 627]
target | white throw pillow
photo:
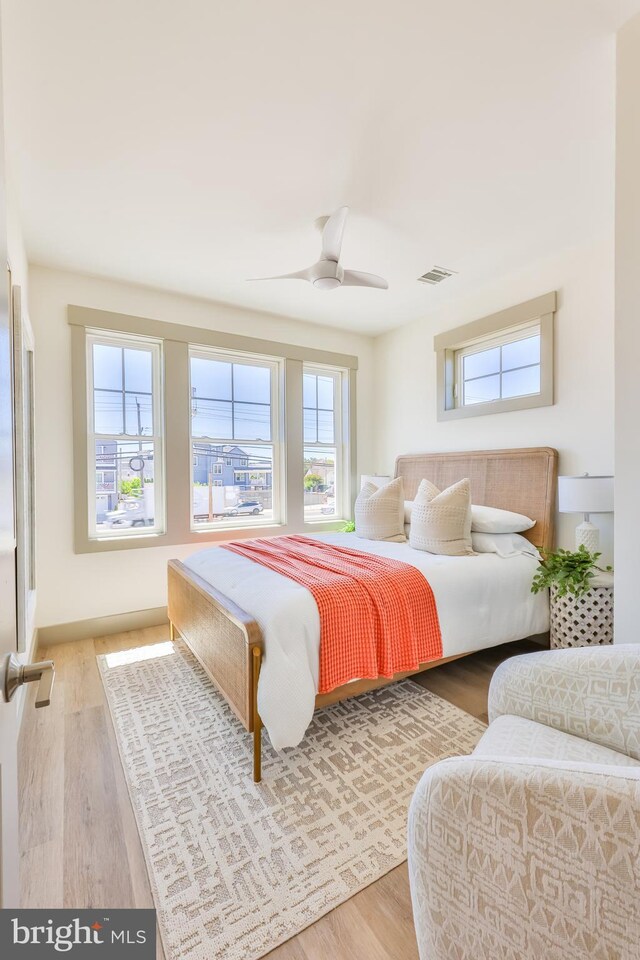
[379, 512]
[493, 520]
[441, 521]
[504, 544]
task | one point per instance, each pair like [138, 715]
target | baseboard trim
[101, 626]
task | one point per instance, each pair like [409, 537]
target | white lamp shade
[378, 480]
[585, 494]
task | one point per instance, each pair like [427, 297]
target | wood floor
[80, 846]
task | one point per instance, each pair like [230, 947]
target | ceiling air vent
[436, 275]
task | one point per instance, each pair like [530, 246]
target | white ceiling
[190, 145]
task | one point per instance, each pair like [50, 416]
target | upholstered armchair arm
[523, 861]
[590, 692]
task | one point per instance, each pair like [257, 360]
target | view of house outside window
[237, 451]
[321, 443]
[123, 495]
[233, 430]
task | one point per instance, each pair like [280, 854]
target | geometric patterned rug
[237, 868]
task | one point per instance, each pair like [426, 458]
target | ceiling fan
[328, 273]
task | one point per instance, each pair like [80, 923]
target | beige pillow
[379, 512]
[441, 521]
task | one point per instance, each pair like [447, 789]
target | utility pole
[210, 490]
[139, 415]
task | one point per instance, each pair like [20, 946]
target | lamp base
[587, 535]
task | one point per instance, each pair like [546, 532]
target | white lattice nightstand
[585, 621]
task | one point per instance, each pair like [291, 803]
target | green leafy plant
[312, 481]
[131, 488]
[349, 527]
[571, 571]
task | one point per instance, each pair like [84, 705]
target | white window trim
[341, 438]
[481, 334]
[276, 443]
[513, 335]
[175, 339]
[94, 337]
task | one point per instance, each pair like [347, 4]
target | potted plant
[567, 571]
[581, 607]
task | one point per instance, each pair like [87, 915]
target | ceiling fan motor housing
[326, 275]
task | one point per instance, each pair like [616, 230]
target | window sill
[328, 524]
[268, 528]
[528, 402]
[121, 537]
[233, 526]
[201, 538]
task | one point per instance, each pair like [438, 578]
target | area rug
[236, 868]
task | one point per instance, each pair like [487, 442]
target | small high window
[500, 363]
[506, 367]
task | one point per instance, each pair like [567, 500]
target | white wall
[78, 586]
[627, 339]
[579, 424]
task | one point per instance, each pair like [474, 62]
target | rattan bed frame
[228, 642]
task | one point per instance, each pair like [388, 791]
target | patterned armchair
[529, 849]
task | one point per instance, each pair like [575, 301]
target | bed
[209, 595]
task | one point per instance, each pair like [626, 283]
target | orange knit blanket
[378, 616]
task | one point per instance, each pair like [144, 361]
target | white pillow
[441, 521]
[408, 508]
[504, 544]
[493, 520]
[379, 512]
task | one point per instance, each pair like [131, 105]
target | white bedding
[482, 601]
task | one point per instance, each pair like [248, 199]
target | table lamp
[586, 495]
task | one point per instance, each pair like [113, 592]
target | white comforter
[482, 601]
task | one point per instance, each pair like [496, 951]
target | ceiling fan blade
[299, 275]
[355, 278]
[332, 234]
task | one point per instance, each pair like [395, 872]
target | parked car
[131, 512]
[244, 507]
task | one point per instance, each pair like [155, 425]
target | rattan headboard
[523, 480]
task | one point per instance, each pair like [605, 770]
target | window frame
[496, 329]
[175, 339]
[341, 402]
[275, 444]
[155, 347]
[512, 335]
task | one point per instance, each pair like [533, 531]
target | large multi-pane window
[184, 435]
[234, 440]
[500, 368]
[125, 436]
[323, 460]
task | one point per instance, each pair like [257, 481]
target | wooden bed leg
[257, 722]
[172, 631]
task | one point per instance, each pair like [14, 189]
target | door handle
[13, 674]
